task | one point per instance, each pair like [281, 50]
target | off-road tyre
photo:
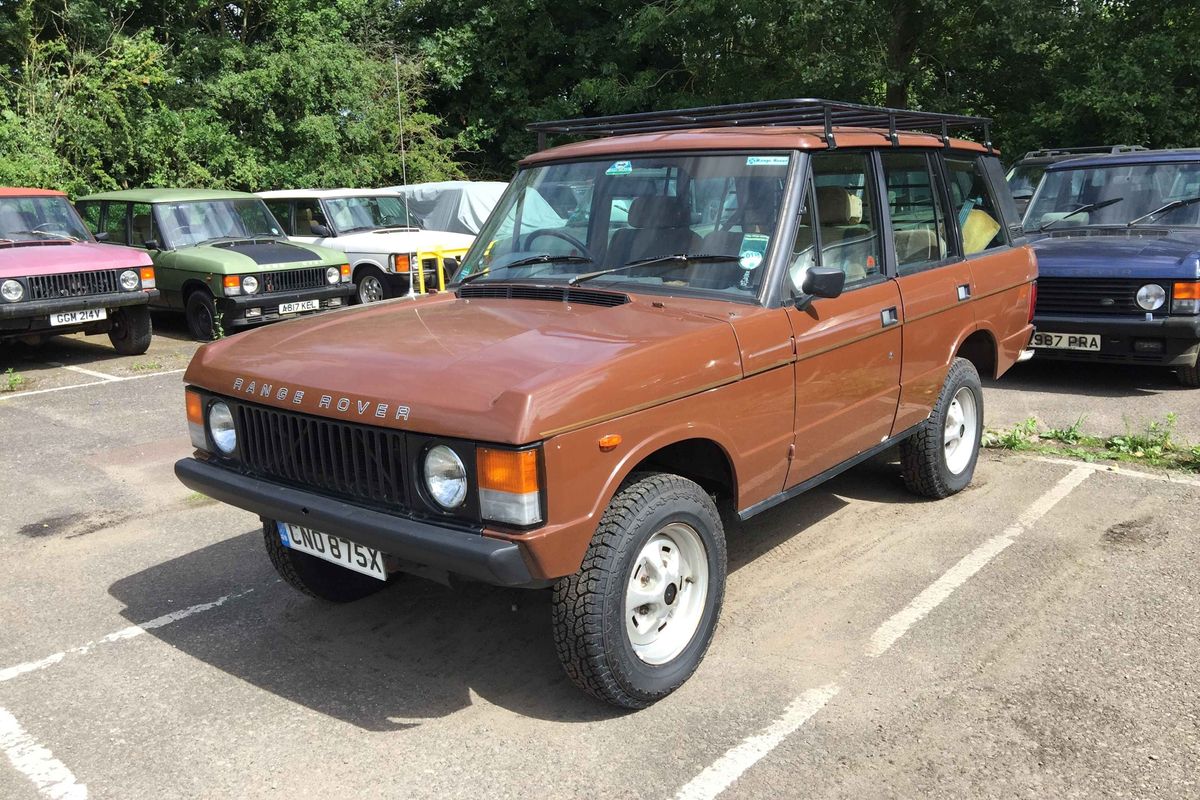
[371, 286]
[200, 311]
[131, 330]
[588, 607]
[315, 577]
[1189, 376]
[923, 456]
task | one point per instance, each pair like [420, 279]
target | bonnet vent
[554, 294]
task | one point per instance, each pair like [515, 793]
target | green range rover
[220, 256]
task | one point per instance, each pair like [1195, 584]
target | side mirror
[317, 229]
[820, 282]
[1026, 196]
[102, 236]
[152, 244]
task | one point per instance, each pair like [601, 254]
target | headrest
[658, 212]
[838, 206]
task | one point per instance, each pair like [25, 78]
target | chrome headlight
[220, 427]
[249, 284]
[12, 291]
[1151, 297]
[333, 275]
[129, 280]
[445, 477]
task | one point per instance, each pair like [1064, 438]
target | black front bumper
[34, 315]
[234, 308]
[463, 553]
[1161, 341]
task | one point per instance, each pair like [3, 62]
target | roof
[1136, 157]
[326, 193]
[18, 191]
[167, 195]
[808, 137]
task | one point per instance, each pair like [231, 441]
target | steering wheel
[54, 227]
[555, 233]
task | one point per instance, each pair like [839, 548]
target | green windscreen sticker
[767, 161]
[752, 251]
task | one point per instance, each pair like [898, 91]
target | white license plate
[335, 549]
[76, 317]
[1067, 341]
[302, 305]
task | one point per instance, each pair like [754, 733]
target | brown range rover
[694, 317]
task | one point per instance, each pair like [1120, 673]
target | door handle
[889, 316]
[964, 291]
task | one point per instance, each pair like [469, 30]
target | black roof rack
[797, 111]
[1111, 149]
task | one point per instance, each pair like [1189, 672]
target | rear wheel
[201, 313]
[370, 286]
[131, 330]
[634, 623]
[939, 459]
[1189, 376]
[315, 577]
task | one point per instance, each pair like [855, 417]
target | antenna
[404, 168]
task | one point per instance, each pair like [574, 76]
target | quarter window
[971, 202]
[918, 219]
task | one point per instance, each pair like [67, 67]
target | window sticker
[620, 168]
[767, 161]
[754, 247]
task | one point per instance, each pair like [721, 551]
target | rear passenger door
[848, 347]
[935, 282]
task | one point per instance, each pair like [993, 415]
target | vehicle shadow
[418, 650]
[170, 336]
[1089, 380]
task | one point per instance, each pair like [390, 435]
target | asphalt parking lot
[1034, 636]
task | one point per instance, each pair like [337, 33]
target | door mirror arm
[152, 244]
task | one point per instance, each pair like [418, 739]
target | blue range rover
[1118, 247]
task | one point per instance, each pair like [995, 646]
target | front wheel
[939, 459]
[316, 577]
[634, 623]
[201, 313]
[131, 330]
[1189, 376]
[370, 286]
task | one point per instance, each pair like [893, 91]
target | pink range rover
[55, 277]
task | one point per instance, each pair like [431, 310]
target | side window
[972, 205]
[90, 211]
[805, 244]
[282, 211]
[308, 212]
[918, 219]
[143, 224]
[848, 231]
[116, 223]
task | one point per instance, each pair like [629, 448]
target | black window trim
[939, 186]
[871, 188]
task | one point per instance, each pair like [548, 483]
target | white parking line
[83, 371]
[890, 632]
[1165, 477]
[729, 767]
[37, 763]
[15, 395]
[125, 633]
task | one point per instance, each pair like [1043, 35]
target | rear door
[847, 348]
[935, 281]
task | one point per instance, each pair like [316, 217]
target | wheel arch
[981, 349]
[698, 458]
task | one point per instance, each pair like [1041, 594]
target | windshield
[35, 219]
[1023, 178]
[353, 214]
[567, 222]
[192, 223]
[1116, 195]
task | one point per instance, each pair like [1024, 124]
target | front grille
[550, 293]
[1093, 295]
[74, 284]
[289, 280]
[356, 462]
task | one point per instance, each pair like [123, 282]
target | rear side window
[282, 210]
[115, 222]
[918, 218]
[972, 205]
[143, 224]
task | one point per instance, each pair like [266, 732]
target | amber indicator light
[610, 441]
[402, 263]
[195, 408]
[147, 274]
[1187, 291]
[232, 281]
[345, 270]
[513, 471]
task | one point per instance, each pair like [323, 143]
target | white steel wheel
[665, 593]
[961, 430]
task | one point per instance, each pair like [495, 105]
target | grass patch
[1155, 444]
[13, 380]
[145, 366]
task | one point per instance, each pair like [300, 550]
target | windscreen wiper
[544, 258]
[1082, 209]
[52, 235]
[674, 258]
[1171, 206]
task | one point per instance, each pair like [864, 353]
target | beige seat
[304, 220]
[658, 227]
[142, 229]
[841, 221]
[917, 245]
